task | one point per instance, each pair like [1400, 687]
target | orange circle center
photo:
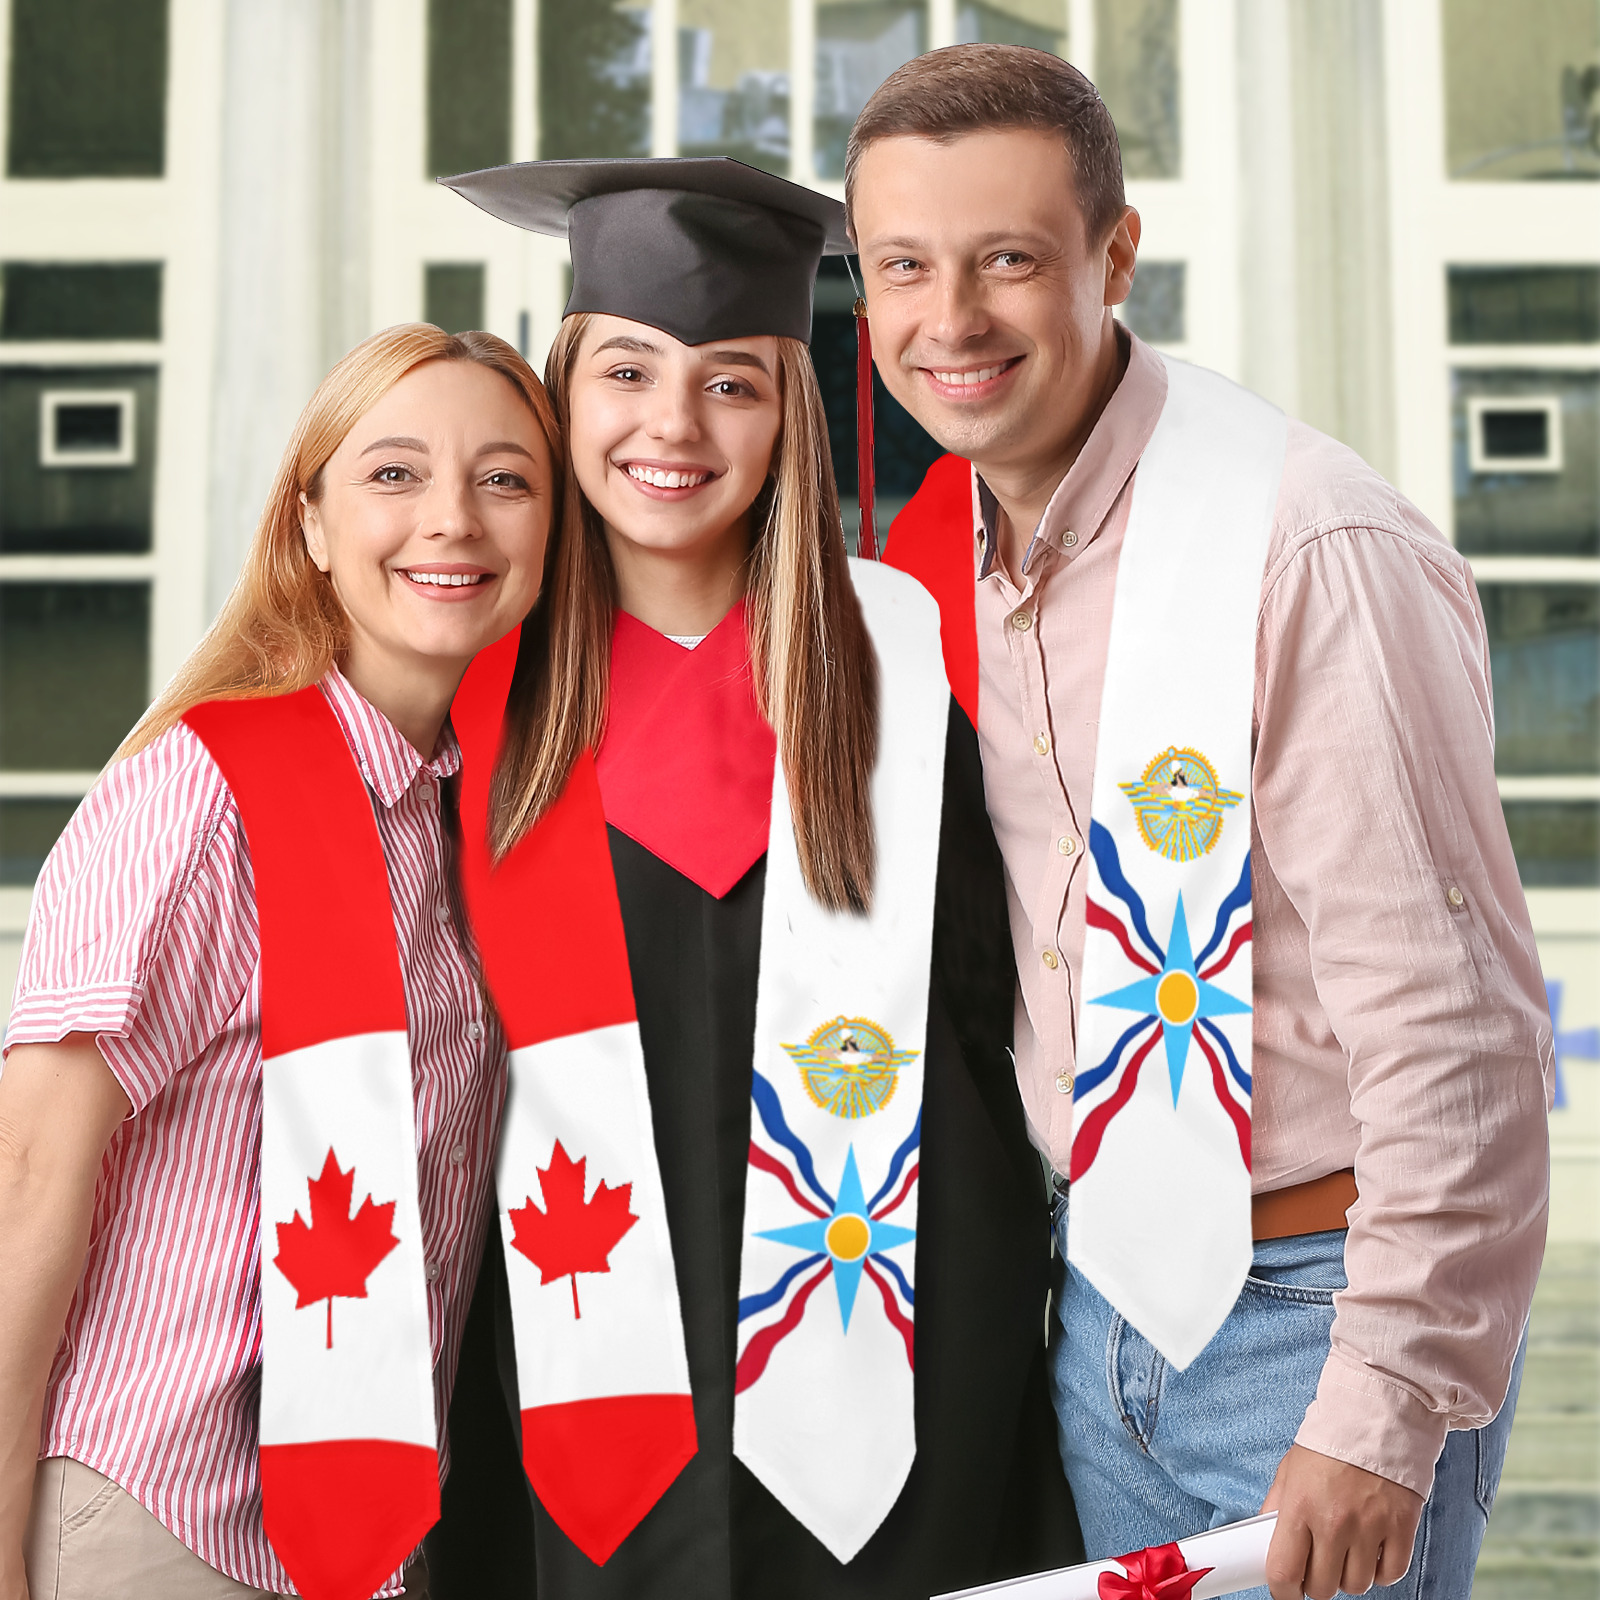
[848, 1238]
[1177, 998]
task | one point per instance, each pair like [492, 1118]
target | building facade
[1382, 214]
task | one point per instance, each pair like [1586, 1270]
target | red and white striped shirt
[143, 933]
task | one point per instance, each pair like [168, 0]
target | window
[469, 85]
[1527, 461]
[594, 79]
[1557, 843]
[1544, 655]
[1524, 305]
[452, 295]
[90, 643]
[1522, 90]
[86, 428]
[733, 81]
[88, 89]
[79, 450]
[1040, 24]
[1136, 72]
[1154, 307]
[95, 300]
[859, 43]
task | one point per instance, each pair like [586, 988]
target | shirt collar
[388, 761]
[1085, 496]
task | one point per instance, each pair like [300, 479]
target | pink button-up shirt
[1400, 1021]
[144, 934]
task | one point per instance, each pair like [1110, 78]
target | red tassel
[867, 535]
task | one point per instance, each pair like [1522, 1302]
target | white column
[664, 78]
[269, 346]
[802, 89]
[1269, 346]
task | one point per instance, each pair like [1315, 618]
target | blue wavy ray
[1240, 1076]
[1238, 896]
[907, 1145]
[1104, 850]
[766, 1101]
[1091, 1080]
[753, 1303]
[899, 1277]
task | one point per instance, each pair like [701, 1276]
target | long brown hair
[816, 673]
[282, 626]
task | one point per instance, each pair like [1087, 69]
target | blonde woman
[816, 940]
[141, 1270]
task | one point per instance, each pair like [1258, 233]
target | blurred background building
[1382, 214]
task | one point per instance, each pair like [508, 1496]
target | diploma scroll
[1236, 1555]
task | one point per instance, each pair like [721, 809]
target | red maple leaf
[571, 1235]
[336, 1254]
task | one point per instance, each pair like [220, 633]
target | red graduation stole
[932, 540]
[349, 1462]
[603, 1375]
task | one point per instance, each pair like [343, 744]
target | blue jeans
[1155, 1455]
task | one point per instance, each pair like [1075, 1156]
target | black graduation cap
[701, 247]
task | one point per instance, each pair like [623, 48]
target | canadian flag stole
[1159, 1216]
[349, 1461]
[602, 1369]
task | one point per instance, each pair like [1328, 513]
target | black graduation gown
[986, 1497]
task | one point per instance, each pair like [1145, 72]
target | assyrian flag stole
[349, 1462]
[602, 1372]
[1159, 1219]
[824, 1385]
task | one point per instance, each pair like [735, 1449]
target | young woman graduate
[250, 1069]
[769, 1320]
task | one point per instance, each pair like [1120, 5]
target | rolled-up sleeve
[1378, 812]
[142, 930]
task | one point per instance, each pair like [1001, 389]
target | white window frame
[53, 401]
[1480, 461]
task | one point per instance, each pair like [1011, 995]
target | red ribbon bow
[1159, 1573]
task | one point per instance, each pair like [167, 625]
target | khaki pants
[89, 1540]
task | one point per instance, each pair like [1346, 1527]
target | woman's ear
[311, 530]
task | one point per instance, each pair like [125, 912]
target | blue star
[1178, 996]
[847, 1237]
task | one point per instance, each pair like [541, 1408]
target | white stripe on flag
[352, 1096]
[588, 1091]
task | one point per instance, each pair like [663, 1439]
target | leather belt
[1315, 1207]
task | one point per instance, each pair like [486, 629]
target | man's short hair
[968, 88]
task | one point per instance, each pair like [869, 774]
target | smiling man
[1280, 1027]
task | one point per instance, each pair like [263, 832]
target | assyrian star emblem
[848, 1236]
[1177, 996]
[850, 1066]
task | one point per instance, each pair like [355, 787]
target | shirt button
[474, 1030]
[442, 911]
[1069, 539]
[1041, 744]
[1066, 845]
[424, 788]
[1021, 621]
[458, 1154]
[1064, 1083]
[432, 1272]
[1050, 959]
[1456, 898]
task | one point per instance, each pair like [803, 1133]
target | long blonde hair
[815, 671]
[282, 626]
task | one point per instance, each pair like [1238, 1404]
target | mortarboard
[703, 248]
